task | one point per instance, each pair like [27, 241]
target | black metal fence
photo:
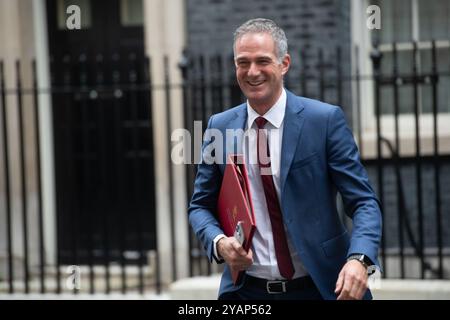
[104, 158]
[430, 222]
[415, 242]
[105, 204]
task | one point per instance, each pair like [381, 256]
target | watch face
[359, 257]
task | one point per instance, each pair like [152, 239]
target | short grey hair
[261, 25]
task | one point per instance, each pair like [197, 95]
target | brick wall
[309, 25]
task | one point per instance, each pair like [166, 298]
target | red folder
[235, 206]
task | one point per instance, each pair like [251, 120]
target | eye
[242, 63]
[264, 62]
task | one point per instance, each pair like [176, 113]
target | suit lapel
[235, 145]
[293, 125]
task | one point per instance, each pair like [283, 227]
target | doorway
[103, 133]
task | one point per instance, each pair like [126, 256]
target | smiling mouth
[255, 83]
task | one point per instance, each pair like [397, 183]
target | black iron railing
[104, 176]
[105, 201]
[327, 80]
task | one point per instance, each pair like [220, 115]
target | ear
[285, 64]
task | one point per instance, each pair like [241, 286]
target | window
[408, 20]
[434, 19]
[131, 13]
[396, 20]
[405, 21]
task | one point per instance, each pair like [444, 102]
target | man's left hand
[352, 282]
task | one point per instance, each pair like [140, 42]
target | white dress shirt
[264, 259]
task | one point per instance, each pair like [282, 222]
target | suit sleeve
[203, 204]
[350, 177]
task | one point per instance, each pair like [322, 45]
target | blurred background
[90, 201]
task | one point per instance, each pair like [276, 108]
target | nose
[253, 70]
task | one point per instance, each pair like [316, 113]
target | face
[258, 71]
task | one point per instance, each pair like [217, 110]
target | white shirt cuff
[215, 253]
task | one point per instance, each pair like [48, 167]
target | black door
[103, 134]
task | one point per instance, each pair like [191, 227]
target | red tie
[279, 236]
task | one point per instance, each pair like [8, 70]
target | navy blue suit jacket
[319, 158]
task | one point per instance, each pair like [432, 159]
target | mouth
[255, 83]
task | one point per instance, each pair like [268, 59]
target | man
[301, 249]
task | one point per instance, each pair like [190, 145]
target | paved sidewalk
[206, 288]
[388, 289]
[84, 296]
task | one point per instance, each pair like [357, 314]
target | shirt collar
[274, 115]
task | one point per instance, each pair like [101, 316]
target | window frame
[124, 15]
[361, 38]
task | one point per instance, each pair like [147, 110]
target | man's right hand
[234, 254]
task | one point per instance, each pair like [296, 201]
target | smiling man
[259, 71]
[301, 249]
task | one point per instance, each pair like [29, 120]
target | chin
[257, 95]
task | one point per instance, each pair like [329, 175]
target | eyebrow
[257, 58]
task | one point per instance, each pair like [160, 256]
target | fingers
[352, 282]
[339, 283]
[235, 255]
[229, 247]
[356, 289]
[244, 259]
[237, 246]
[345, 292]
[250, 255]
[359, 287]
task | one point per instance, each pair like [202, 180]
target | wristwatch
[361, 258]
